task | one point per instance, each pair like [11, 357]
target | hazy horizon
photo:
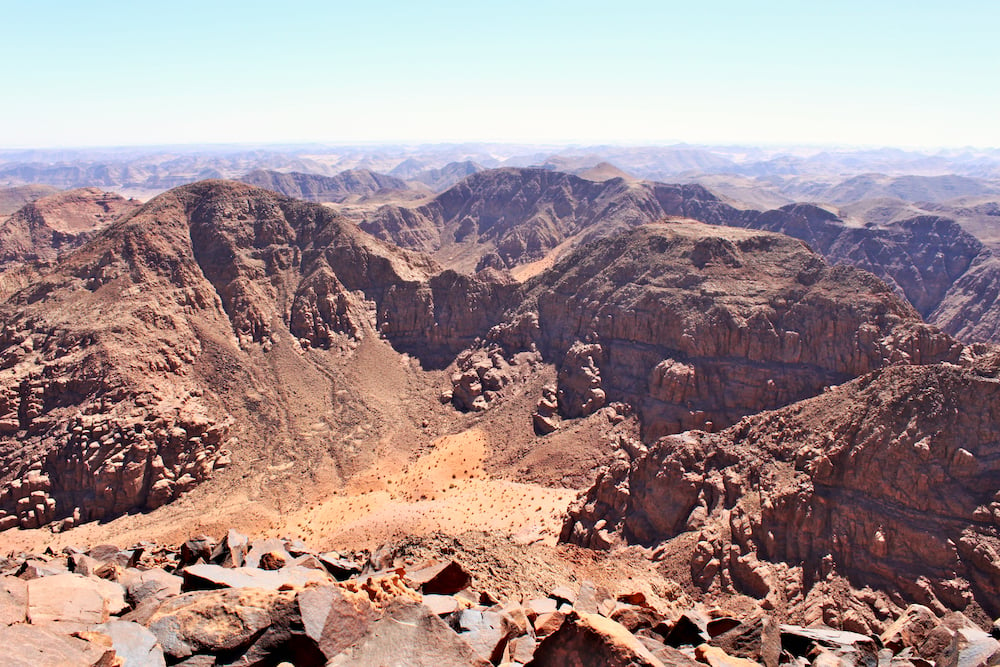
[854, 74]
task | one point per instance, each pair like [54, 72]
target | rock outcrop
[697, 326]
[55, 614]
[505, 217]
[889, 480]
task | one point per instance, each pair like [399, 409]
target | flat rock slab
[205, 576]
[31, 646]
[151, 584]
[442, 605]
[73, 598]
[410, 634]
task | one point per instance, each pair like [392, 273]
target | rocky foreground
[274, 602]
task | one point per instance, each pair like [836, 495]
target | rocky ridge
[50, 225]
[318, 188]
[127, 364]
[505, 218]
[888, 480]
[695, 326]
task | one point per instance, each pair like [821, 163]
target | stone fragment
[441, 579]
[716, 657]
[442, 605]
[757, 638]
[206, 576]
[334, 618]
[154, 584]
[486, 631]
[799, 641]
[223, 621]
[273, 560]
[339, 567]
[547, 623]
[198, 548]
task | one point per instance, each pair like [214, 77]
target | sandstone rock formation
[889, 480]
[508, 217]
[128, 364]
[698, 325]
[51, 225]
[505, 217]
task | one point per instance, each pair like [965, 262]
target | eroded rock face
[698, 325]
[889, 479]
[127, 364]
[505, 217]
[47, 227]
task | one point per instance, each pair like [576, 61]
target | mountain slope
[50, 225]
[505, 217]
[695, 326]
[218, 323]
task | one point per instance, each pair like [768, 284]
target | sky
[917, 73]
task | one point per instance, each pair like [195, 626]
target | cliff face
[920, 257]
[697, 325]
[131, 365]
[890, 480]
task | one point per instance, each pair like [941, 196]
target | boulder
[13, 601]
[585, 640]
[486, 631]
[212, 622]
[134, 645]
[154, 584]
[206, 576]
[441, 579]
[334, 618]
[716, 657]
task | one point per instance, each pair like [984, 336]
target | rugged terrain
[695, 326]
[888, 480]
[525, 219]
[50, 225]
[225, 356]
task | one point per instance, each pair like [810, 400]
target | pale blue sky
[873, 72]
